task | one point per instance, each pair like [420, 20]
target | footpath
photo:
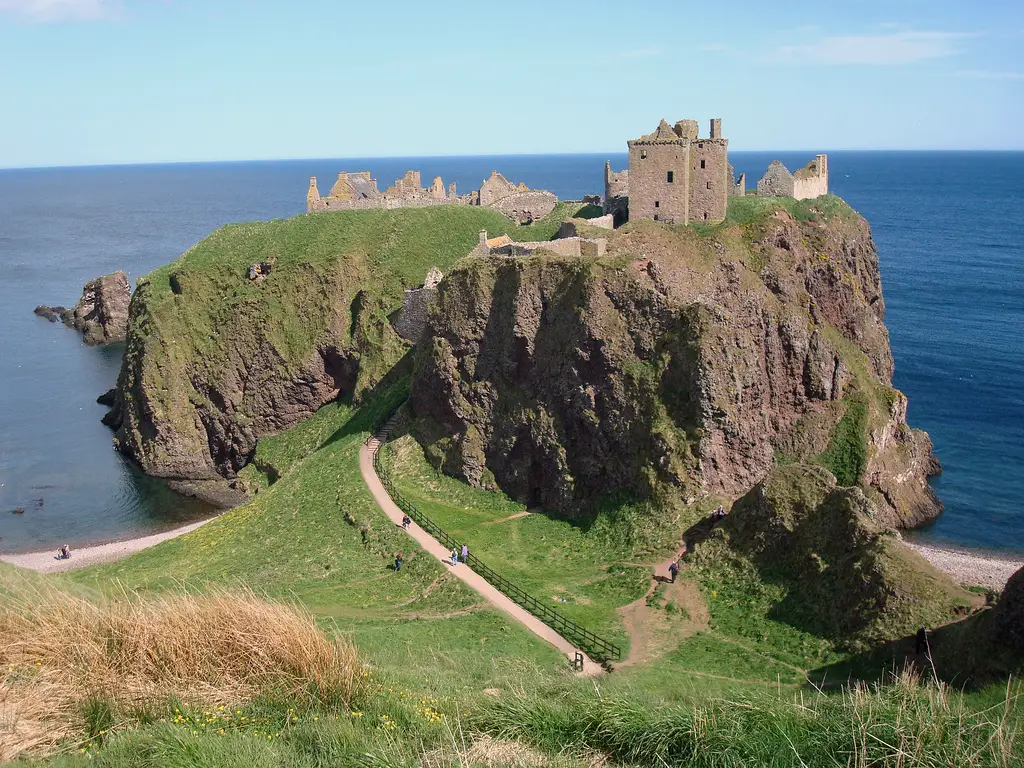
[462, 571]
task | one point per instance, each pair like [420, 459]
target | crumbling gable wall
[776, 182]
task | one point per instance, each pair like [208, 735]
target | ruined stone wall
[496, 187]
[411, 321]
[739, 189]
[776, 182]
[574, 247]
[812, 180]
[615, 184]
[710, 180]
[526, 207]
[651, 194]
[357, 191]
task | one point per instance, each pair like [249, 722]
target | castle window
[709, 185]
[643, 154]
[655, 217]
[671, 177]
[657, 203]
[703, 163]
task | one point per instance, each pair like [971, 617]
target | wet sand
[46, 562]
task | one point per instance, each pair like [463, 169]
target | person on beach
[406, 522]
[465, 553]
[455, 557]
[673, 571]
[64, 552]
[398, 562]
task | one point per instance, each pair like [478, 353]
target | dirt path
[46, 562]
[472, 579]
[653, 629]
[516, 516]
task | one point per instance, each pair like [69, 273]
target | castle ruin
[677, 177]
[809, 182]
[358, 191]
[674, 176]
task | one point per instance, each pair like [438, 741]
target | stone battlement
[358, 191]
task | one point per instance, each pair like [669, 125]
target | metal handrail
[598, 648]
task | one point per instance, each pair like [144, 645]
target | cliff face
[259, 325]
[689, 361]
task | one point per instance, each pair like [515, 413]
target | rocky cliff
[256, 327]
[102, 313]
[689, 361]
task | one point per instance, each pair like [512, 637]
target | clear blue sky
[127, 81]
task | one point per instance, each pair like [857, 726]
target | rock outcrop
[683, 364]
[844, 576]
[1008, 616]
[101, 315]
[259, 325]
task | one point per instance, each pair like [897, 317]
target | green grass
[316, 536]
[583, 575]
[846, 456]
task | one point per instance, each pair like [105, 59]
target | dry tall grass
[59, 652]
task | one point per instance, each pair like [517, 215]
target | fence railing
[597, 647]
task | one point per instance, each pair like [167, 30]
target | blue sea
[949, 228]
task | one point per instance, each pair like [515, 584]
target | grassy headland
[413, 668]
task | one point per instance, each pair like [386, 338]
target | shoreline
[971, 568]
[46, 562]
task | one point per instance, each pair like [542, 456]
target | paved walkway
[464, 572]
[47, 562]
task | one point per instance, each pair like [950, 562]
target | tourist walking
[406, 522]
[673, 571]
[398, 562]
[465, 553]
[455, 557]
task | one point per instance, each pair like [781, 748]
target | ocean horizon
[946, 223]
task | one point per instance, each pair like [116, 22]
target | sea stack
[102, 313]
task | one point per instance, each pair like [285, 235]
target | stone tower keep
[677, 177]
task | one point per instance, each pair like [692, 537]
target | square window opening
[643, 154]
[709, 185]
[703, 163]
[671, 177]
[655, 217]
[657, 203]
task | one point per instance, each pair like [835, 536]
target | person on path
[673, 571]
[406, 522]
[465, 553]
[455, 556]
[398, 562]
